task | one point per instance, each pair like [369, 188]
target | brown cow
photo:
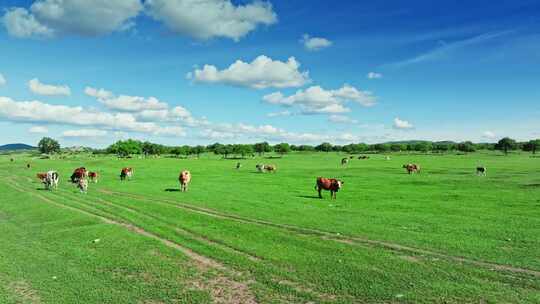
[266, 168]
[412, 168]
[126, 173]
[331, 184]
[94, 176]
[184, 178]
[41, 176]
[78, 174]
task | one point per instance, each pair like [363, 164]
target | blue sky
[191, 71]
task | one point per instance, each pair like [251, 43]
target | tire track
[202, 260]
[183, 231]
[332, 236]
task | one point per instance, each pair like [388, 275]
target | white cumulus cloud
[315, 43]
[279, 114]
[315, 99]
[125, 103]
[38, 130]
[374, 75]
[342, 119]
[402, 124]
[262, 72]
[37, 111]
[84, 133]
[211, 18]
[48, 18]
[40, 88]
[489, 135]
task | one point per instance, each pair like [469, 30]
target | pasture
[445, 235]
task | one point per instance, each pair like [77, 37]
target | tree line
[124, 148]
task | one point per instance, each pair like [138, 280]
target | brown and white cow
[412, 168]
[331, 184]
[126, 173]
[184, 178]
[266, 168]
[78, 174]
[94, 176]
[82, 184]
[49, 179]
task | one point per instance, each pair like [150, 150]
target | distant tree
[324, 147]
[242, 150]
[380, 148]
[48, 145]
[176, 151]
[198, 150]
[398, 147]
[262, 147]
[224, 150]
[466, 146]
[423, 146]
[532, 146]
[306, 148]
[282, 148]
[506, 144]
[337, 148]
[443, 146]
[125, 148]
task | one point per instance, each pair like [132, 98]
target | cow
[412, 168]
[78, 174]
[266, 168]
[351, 157]
[94, 176]
[82, 184]
[331, 184]
[238, 165]
[49, 179]
[387, 158]
[42, 176]
[481, 170]
[363, 157]
[184, 178]
[344, 161]
[27, 166]
[126, 173]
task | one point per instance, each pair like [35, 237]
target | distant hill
[15, 147]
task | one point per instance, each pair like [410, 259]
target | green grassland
[445, 235]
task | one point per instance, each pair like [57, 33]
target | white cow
[51, 181]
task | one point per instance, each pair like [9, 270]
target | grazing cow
[49, 179]
[82, 184]
[412, 168]
[42, 177]
[344, 161]
[481, 170]
[238, 165]
[94, 176]
[126, 173]
[184, 178]
[331, 184]
[266, 168]
[78, 174]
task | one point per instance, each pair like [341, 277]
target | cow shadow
[308, 196]
[172, 190]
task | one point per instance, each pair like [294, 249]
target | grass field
[238, 236]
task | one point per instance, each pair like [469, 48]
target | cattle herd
[81, 176]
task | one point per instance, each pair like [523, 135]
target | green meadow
[445, 235]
